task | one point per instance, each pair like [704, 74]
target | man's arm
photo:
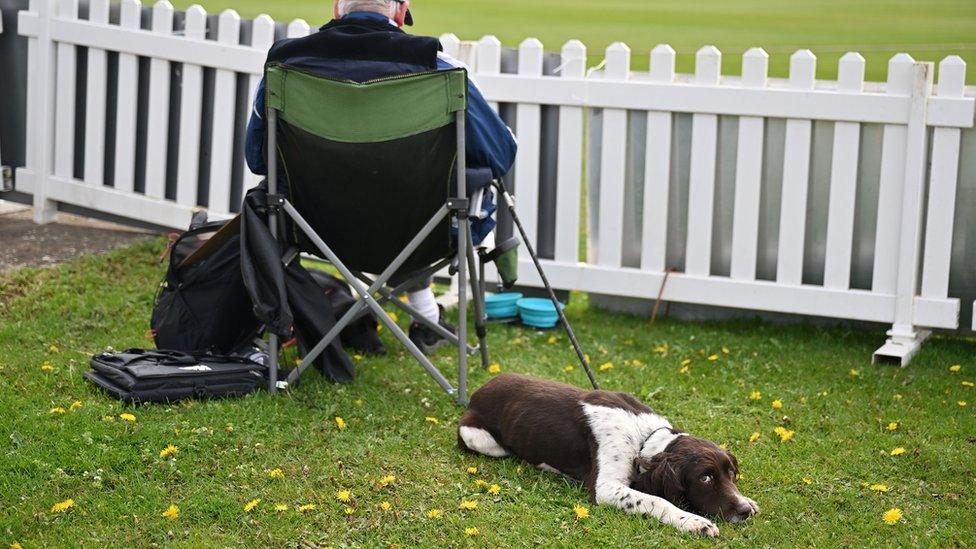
[489, 142]
[256, 134]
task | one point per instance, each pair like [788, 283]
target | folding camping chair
[370, 168]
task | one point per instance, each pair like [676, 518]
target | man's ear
[335, 9]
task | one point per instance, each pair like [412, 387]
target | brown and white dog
[628, 456]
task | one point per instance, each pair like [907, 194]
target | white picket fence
[911, 272]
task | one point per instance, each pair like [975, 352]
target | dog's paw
[701, 526]
[754, 505]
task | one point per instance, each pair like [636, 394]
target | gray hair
[376, 6]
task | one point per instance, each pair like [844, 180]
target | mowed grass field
[78, 469]
[927, 29]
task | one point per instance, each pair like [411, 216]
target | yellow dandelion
[108, 419]
[686, 362]
[359, 402]
[754, 436]
[955, 368]
[168, 451]
[53, 349]
[385, 505]
[57, 411]
[892, 426]
[47, 366]
[340, 423]
[683, 370]
[172, 513]
[435, 514]
[755, 395]
[898, 397]
[359, 358]
[962, 403]
[348, 510]
[898, 451]
[63, 506]
[552, 340]
[251, 505]
[472, 470]
[280, 507]
[76, 405]
[16, 545]
[568, 369]
[807, 481]
[712, 358]
[726, 350]
[471, 532]
[494, 489]
[306, 508]
[127, 417]
[468, 504]
[606, 366]
[479, 484]
[432, 420]
[276, 473]
[777, 404]
[393, 316]
[879, 487]
[854, 373]
[892, 516]
[724, 446]
[968, 384]
[581, 512]
[345, 496]
[495, 369]
[784, 434]
[387, 480]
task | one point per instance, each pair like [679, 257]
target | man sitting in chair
[365, 41]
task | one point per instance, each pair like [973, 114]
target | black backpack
[168, 376]
[202, 305]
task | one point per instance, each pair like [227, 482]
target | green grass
[121, 487]
[929, 30]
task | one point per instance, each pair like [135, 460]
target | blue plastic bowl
[502, 305]
[538, 312]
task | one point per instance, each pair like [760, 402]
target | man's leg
[421, 298]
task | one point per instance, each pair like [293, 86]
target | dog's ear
[660, 476]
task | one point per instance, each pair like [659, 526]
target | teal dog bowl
[499, 306]
[538, 312]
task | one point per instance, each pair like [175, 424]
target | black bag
[168, 376]
[202, 306]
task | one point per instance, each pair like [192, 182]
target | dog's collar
[653, 446]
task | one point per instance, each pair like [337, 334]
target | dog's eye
[706, 479]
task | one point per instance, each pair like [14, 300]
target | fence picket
[569, 169]
[748, 173]
[489, 59]
[262, 37]
[843, 182]
[298, 28]
[796, 176]
[701, 180]
[942, 187]
[225, 87]
[451, 45]
[95, 103]
[892, 179]
[191, 109]
[157, 128]
[64, 125]
[126, 104]
[657, 168]
[528, 130]
[613, 164]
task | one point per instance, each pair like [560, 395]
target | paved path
[24, 244]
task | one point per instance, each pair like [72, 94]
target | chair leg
[463, 237]
[273, 363]
[480, 318]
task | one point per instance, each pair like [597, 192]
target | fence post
[45, 209]
[904, 339]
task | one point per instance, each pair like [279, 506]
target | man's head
[396, 10]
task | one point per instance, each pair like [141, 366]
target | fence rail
[187, 94]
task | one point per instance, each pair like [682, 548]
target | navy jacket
[489, 142]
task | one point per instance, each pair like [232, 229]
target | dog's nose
[743, 510]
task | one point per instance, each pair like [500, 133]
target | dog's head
[698, 476]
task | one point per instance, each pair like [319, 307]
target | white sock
[425, 304]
